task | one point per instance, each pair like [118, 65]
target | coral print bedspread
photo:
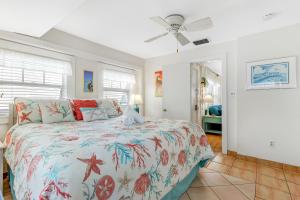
[103, 159]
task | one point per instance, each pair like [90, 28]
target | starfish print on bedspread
[91, 165]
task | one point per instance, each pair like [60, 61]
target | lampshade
[137, 99]
[208, 99]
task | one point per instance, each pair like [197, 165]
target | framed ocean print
[88, 81]
[272, 74]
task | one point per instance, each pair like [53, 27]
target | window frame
[111, 89]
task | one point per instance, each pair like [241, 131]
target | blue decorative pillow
[92, 114]
[215, 110]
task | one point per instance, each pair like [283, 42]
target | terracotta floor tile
[268, 193]
[294, 188]
[247, 158]
[288, 168]
[295, 197]
[243, 174]
[184, 197]
[247, 189]
[205, 170]
[218, 167]
[272, 182]
[270, 163]
[292, 177]
[229, 193]
[202, 193]
[214, 179]
[243, 164]
[223, 159]
[198, 182]
[235, 180]
[270, 171]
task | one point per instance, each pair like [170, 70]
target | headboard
[12, 118]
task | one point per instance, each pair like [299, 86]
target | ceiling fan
[174, 25]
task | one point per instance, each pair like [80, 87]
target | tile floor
[238, 178]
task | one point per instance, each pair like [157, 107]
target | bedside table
[2, 147]
[212, 124]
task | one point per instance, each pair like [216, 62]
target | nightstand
[212, 124]
[2, 147]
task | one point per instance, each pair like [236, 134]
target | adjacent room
[149, 100]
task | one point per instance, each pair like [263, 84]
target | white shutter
[21, 76]
[117, 85]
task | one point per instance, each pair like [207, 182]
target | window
[118, 85]
[26, 75]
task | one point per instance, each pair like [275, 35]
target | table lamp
[137, 100]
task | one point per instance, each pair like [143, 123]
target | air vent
[199, 42]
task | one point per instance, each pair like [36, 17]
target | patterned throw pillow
[79, 103]
[92, 114]
[28, 111]
[56, 111]
[111, 107]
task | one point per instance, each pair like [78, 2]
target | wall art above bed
[272, 74]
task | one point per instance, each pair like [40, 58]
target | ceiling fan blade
[199, 25]
[161, 22]
[181, 39]
[156, 37]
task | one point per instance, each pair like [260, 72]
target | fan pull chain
[177, 41]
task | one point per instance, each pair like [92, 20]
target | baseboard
[264, 161]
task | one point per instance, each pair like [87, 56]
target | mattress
[103, 159]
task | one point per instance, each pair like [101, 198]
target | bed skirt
[175, 193]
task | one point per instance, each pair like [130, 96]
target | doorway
[206, 98]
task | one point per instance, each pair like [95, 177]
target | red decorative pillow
[78, 103]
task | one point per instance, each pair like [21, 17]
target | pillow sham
[79, 103]
[111, 107]
[92, 114]
[28, 111]
[56, 111]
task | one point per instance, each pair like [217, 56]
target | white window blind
[117, 85]
[26, 75]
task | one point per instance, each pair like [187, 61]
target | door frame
[223, 58]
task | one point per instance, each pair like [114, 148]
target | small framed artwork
[272, 74]
[158, 84]
[88, 81]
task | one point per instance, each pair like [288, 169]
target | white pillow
[56, 111]
[92, 114]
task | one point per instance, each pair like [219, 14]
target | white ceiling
[34, 17]
[125, 24]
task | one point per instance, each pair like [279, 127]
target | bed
[104, 159]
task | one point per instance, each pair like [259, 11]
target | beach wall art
[88, 81]
[272, 74]
[158, 83]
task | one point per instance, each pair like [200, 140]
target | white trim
[222, 57]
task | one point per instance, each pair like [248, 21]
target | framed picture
[88, 81]
[272, 74]
[158, 83]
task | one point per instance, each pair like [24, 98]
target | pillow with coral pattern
[111, 107]
[56, 111]
[28, 111]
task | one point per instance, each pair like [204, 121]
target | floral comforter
[103, 159]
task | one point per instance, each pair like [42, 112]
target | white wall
[265, 115]
[254, 117]
[153, 105]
